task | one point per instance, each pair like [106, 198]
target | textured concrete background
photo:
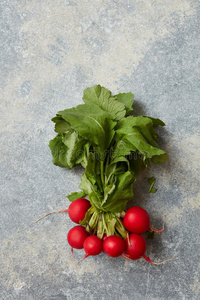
[50, 51]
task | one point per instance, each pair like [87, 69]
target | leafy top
[117, 106]
[112, 145]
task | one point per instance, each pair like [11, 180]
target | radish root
[158, 231]
[86, 255]
[56, 269]
[159, 263]
[125, 260]
[149, 260]
[126, 257]
[72, 252]
[55, 211]
[74, 262]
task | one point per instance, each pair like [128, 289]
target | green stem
[104, 224]
[107, 163]
[102, 176]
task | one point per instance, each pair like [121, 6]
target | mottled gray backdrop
[51, 50]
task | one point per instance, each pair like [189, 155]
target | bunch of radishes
[113, 145]
[136, 221]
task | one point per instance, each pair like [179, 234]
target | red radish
[114, 245]
[76, 237]
[92, 246]
[136, 220]
[76, 210]
[135, 246]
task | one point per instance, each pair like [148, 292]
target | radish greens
[113, 145]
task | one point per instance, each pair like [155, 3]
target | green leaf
[151, 181]
[133, 140]
[92, 123]
[88, 214]
[59, 152]
[123, 146]
[156, 122]
[102, 97]
[75, 195]
[136, 162]
[95, 200]
[127, 100]
[133, 134]
[121, 159]
[118, 166]
[76, 148]
[92, 171]
[123, 192]
[68, 149]
[61, 126]
[158, 159]
[86, 186]
[142, 124]
[91, 185]
[83, 159]
[108, 190]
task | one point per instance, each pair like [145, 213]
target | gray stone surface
[52, 50]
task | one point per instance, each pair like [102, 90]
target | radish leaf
[123, 192]
[75, 195]
[151, 181]
[102, 97]
[127, 99]
[92, 123]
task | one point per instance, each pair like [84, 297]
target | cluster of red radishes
[136, 221]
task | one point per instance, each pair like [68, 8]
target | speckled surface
[52, 50]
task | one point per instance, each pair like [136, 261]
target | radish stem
[127, 236]
[102, 177]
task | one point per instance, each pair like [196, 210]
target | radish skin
[135, 246]
[114, 246]
[93, 246]
[136, 220]
[78, 209]
[76, 237]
